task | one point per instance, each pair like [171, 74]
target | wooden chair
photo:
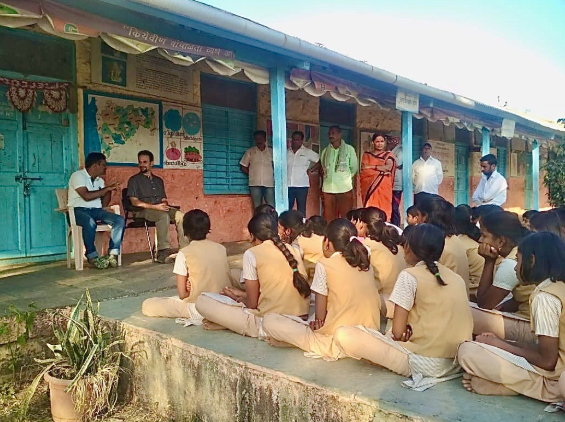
[74, 232]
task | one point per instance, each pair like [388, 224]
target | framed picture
[121, 126]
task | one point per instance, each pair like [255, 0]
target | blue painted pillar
[535, 175]
[278, 117]
[486, 142]
[407, 144]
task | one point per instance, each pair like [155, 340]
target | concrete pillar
[485, 149]
[407, 186]
[278, 117]
[535, 175]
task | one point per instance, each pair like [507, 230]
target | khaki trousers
[234, 318]
[340, 202]
[165, 307]
[300, 335]
[358, 344]
[162, 219]
[485, 321]
[482, 363]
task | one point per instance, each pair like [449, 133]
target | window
[228, 123]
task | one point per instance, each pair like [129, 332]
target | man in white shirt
[397, 186]
[257, 163]
[301, 162]
[492, 187]
[427, 174]
[89, 197]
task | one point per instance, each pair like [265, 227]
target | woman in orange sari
[377, 176]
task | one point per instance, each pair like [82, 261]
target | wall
[229, 213]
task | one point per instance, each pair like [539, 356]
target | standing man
[397, 186]
[339, 163]
[88, 196]
[492, 187]
[257, 163]
[301, 162]
[427, 174]
[146, 191]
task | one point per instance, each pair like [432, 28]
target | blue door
[461, 174]
[34, 161]
[528, 181]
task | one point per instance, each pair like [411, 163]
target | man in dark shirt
[147, 192]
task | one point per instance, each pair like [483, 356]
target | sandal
[100, 263]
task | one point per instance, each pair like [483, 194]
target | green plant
[25, 318]
[554, 178]
[89, 353]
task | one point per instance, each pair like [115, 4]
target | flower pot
[62, 406]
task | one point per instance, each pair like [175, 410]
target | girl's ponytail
[299, 282]
[427, 242]
[379, 231]
[357, 255]
[432, 267]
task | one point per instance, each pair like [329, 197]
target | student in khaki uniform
[311, 242]
[501, 233]
[202, 266]
[495, 366]
[275, 281]
[431, 316]
[387, 258]
[438, 212]
[345, 291]
[469, 235]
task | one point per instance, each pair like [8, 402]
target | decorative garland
[22, 94]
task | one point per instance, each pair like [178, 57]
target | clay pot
[62, 406]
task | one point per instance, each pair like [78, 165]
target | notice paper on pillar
[445, 153]
[507, 129]
[182, 137]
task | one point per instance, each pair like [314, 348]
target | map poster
[120, 127]
[445, 153]
[182, 137]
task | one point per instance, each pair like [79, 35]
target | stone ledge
[220, 376]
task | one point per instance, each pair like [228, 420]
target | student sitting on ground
[345, 291]
[387, 258]
[290, 225]
[413, 216]
[548, 221]
[526, 217]
[266, 209]
[311, 242]
[275, 281]
[354, 216]
[494, 366]
[501, 233]
[431, 316]
[202, 266]
[479, 212]
[469, 235]
[440, 213]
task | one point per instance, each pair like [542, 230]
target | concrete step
[194, 374]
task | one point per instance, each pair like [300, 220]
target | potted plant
[83, 374]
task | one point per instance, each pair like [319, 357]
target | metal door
[528, 181]
[35, 160]
[11, 192]
[461, 174]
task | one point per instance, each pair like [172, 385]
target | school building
[191, 83]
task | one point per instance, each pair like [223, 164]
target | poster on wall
[445, 153]
[121, 126]
[182, 137]
[311, 134]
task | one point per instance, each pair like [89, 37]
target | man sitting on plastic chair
[89, 198]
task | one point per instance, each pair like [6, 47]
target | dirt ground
[40, 409]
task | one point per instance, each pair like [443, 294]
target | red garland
[23, 94]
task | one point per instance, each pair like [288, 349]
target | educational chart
[182, 137]
[120, 127]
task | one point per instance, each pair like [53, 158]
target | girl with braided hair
[431, 317]
[311, 242]
[345, 294]
[275, 281]
[290, 225]
[387, 257]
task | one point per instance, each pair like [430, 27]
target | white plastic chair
[74, 232]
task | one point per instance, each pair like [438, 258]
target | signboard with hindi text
[407, 101]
